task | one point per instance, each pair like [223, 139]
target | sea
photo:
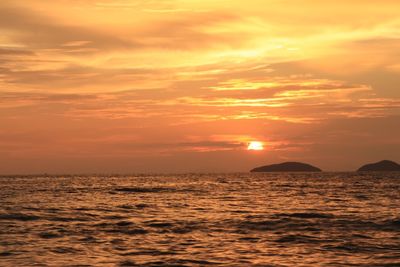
[237, 219]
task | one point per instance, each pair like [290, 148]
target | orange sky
[178, 85]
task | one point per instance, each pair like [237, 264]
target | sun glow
[255, 145]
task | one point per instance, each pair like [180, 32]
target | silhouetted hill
[384, 165]
[287, 167]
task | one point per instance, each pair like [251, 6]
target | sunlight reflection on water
[318, 219]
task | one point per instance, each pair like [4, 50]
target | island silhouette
[384, 165]
[287, 167]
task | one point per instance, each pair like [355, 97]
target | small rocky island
[287, 167]
[384, 165]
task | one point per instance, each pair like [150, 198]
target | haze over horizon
[114, 86]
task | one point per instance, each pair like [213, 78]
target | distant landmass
[384, 165]
[287, 167]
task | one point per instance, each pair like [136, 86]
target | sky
[127, 86]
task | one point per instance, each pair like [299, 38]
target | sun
[255, 145]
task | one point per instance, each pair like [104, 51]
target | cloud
[168, 148]
[174, 78]
[4, 52]
[294, 99]
[42, 32]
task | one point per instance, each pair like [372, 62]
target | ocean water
[248, 219]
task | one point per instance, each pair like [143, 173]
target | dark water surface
[328, 219]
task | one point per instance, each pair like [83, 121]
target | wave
[315, 222]
[306, 215]
[143, 189]
[139, 206]
[298, 239]
[121, 227]
[49, 235]
[65, 250]
[151, 252]
[19, 217]
[69, 219]
[153, 190]
[170, 263]
[207, 220]
[6, 253]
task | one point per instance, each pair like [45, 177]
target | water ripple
[324, 219]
